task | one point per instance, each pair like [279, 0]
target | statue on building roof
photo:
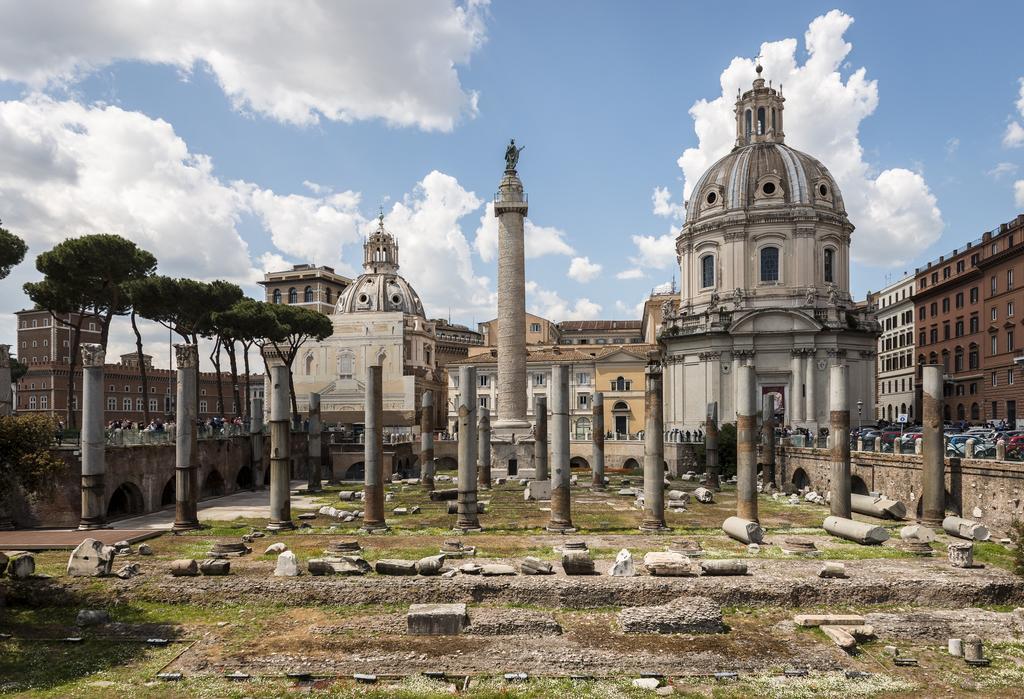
[512, 155]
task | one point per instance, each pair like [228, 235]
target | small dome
[379, 291]
[763, 175]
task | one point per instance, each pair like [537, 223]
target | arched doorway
[582, 428]
[952, 507]
[447, 463]
[167, 497]
[356, 472]
[579, 462]
[126, 501]
[244, 479]
[620, 414]
[213, 486]
[858, 486]
[800, 479]
[631, 465]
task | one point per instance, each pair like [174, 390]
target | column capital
[92, 356]
[710, 356]
[186, 355]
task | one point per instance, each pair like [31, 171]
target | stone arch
[858, 486]
[213, 485]
[170, 488]
[356, 472]
[952, 506]
[631, 465]
[579, 462]
[446, 463]
[800, 479]
[126, 501]
[244, 480]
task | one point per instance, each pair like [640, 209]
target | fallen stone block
[704, 495]
[287, 565]
[215, 566]
[145, 550]
[723, 567]
[92, 617]
[453, 507]
[346, 495]
[491, 569]
[276, 548]
[537, 490]
[91, 559]
[535, 566]
[743, 530]
[394, 566]
[832, 570]
[185, 567]
[449, 494]
[400, 511]
[430, 565]
[667, 564]
[512, 622]
[811, 620]
[960, 554]
[577, 563]
[623, 566]
[338, 565]
[878, 506]
[965, 528]
[917, 532]
[646, 683]
[436, 619]
[470, 568]
[129, 570]
[678, 495]
[852, 530]
[841, 637]
[681, 615]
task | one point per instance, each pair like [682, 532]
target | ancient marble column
[483, 451]
[373, 451]
[768, 439]
[510, 207]
[468, 519]
[597, 438]
[6, 396]
[746, 445]
[427, 440]
[712, 475]
[256, 443]
[540, 439]
[186, 477]
[811, 367]
[280, 451]
[561, 519]
[795, 403]
[839, 436]
[94, 441]
[654, 449]
[933, 463]
[315, 474]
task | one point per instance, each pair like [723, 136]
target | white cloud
[1014, 135]
[272, 262]
[583, 270]
[663, 204]
[952, 146]
[549, 304]
[628, 311]
[433, 251]
[538, 240]
[633, 273]
[823, 116]
[1018, 192]
[343, 61]
[1001, 169]
[655, 252]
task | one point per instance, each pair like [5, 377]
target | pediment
[774, 321]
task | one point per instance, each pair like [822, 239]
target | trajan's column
[510, 205]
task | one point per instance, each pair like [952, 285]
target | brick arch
[801, 479]
[125, 501]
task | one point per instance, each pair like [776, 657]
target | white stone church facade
[764, 268]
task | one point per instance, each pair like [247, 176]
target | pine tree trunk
[143, 372]
[233, 363]
[215, 358]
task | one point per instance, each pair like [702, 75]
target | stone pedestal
[561, 519]
[186, 477]
[427, 440]
[654, 450]
[839, 434]
[94, 505]
[597, 439]
[280, 451]
[373, 451]
[468, 518]
[315, 475]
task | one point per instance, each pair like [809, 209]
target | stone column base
[653, 526]
[374, 528]
[278, 526]
[558, 529]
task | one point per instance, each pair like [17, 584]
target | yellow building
[619, 374]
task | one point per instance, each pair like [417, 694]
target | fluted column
[256, 443]
[6, 396]
[712, 474]
[810, 381]
[768, 439]
[795, 404]
[94, 467]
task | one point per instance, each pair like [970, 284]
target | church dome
[763, 175]
[380, 288]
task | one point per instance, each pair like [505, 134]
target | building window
[152, 404]
[934, 335]
[959, 328]
[485, 380]
[960, 300]
[1009, 377]
[994, 379]
[958, 360]
[535, 327]
[538, 379]
[994, 284]
[921, 313]
[945, 272]
[829, 264]
[934, 309]
[1009, 279]
[995, 409]
[972, 358]
[307, 295]
[994, 313]
[126, 404]
[1009, 309]
[974, 323]
[345, 368]
[1009, 341]
[485, 401]
[707, 271]
[995, 345]
[974, 294]
[769, 264]
[621, 384]
[584, 400]
[276, 297]
[111, 403]
[945, 305]
[959, 266]
[945, 331]
[140, 404]
[293, 295]
[202, 406]
[44, 402]
[32, 400]
[583, 379]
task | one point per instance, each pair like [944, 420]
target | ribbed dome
[379, 291]
[760, 175]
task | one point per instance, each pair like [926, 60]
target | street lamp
[860, 410]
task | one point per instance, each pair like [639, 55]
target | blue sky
[206, 159]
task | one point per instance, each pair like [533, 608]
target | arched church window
[307, 295]
[277, 296]
[773, 119]
[829, 265]
[760, 121]
[748, 123]
[309, 364]
[769, 264]
[707, 271]
[293, 295]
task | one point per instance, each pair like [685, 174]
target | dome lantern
[380, 251]
[759, 114]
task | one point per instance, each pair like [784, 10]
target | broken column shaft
[315, 474]
[597, 439]
[94, 441]
[373, 451]
[483, 456]
[933, 464]
[185, 477]
[746, 445]
[256, 443]
[280, 451]
[467, 519]
[712, 478]
[540, 439]
[561, 519]
[839, 435]
[768, 438]
[427, 440]
[654, 450]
